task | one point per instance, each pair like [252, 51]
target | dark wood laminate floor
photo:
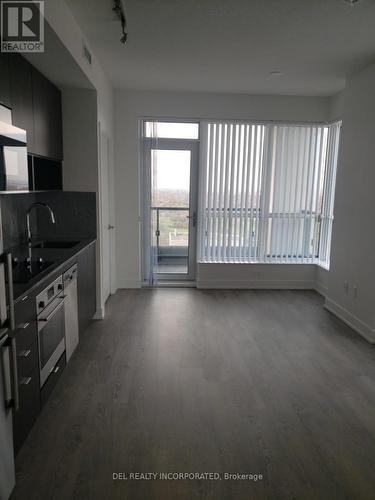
[180, 380]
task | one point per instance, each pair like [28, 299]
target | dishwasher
[71, 311]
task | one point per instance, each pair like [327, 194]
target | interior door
[106, 227]
[172, 166]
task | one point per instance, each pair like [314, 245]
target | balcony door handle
[193, 218]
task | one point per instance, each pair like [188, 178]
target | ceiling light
[276, 73]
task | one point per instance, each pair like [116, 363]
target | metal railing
[168, 250]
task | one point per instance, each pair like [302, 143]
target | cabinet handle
[56, 369]
[25, 381]
[25, 298]
[23, 326]
[24, 354]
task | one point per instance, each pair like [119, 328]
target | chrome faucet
[34, 205]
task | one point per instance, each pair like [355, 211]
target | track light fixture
[119, 8]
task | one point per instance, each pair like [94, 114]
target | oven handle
[52, 313]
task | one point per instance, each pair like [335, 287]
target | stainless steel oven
[51, 327]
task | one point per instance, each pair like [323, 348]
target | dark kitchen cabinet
[52, 379]
[25, 416]
[86, 285]
[21, 93]
[35, 104]
[4, 80]
[26, 335]
[47, 117]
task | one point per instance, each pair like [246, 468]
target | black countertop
[58, 256]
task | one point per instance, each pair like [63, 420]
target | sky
[172, 169]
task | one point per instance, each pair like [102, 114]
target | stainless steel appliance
[14, 175]
[71, 311]
[8, 378]
[51, 327]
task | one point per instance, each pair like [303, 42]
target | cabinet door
[47, 117]
[22, 97]
[52, 380]
[24, 418]
[86, 287]
[4, 80]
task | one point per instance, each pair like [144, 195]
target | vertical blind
[266, 192]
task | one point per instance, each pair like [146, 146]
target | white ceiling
[231, 45]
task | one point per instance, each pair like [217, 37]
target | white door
[106, 226]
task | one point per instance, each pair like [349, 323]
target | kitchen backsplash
[75, 215]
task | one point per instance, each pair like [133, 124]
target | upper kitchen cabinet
[47, 117]
[35, 104]
[21, 96]
[4, 80]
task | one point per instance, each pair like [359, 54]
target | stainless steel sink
[56, 244]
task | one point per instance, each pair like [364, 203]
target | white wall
[79, 110]
[130, 106]
[336, 106]
[83, 172]
[353, 238]
[256, 276]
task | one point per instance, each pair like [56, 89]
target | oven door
[51, 332]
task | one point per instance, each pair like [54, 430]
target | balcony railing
[171, 236]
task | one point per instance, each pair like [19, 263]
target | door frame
[170, 144]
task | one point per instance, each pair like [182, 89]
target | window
[266, 192]
[171, 130]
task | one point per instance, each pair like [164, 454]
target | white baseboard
[128, 284]
[100, 314]
[365, 330]
[257, 284]
[173, 284]
[320, 288]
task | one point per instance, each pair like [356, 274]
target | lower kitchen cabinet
[29, 407]
[31, 396]
[27, 369]
[52, 379]
[86, 285]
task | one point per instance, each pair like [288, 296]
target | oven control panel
[48, 294]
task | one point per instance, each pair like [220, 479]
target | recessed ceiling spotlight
[276, 73]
